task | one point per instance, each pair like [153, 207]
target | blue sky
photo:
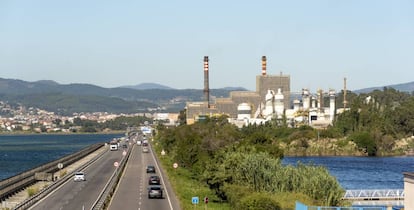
[116, 43]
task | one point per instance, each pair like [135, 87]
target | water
[363, 172]
[19, 153]
[23, 152]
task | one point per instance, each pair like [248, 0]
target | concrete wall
[408, 190]
[273, 82]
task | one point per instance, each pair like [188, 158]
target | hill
[69, 98]
[404, 87]
[147, 86]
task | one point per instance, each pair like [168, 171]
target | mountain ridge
[78, 97]
[53, 96]
[146, 86]
[403, 87]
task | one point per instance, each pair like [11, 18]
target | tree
[365, 142]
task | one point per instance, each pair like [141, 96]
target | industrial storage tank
[244, 111]
[296, 104]
[279, 103]
[306, 99]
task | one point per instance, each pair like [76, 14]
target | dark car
[154, 191]
[154, 180]
[150, 169]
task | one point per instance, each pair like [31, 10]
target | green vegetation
[32, 191]
[66, 105]
[237, 168]
[241, 168]
[379, 123]
[67, 99]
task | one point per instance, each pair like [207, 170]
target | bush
[235, 192]
[32, 191]
[365, 142]
[258, 201]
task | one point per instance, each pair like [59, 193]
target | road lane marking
[162, 178]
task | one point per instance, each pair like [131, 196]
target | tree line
[376, 121]
[242, 166]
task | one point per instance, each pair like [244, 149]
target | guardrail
[379, 194]
[107, 192]
[44, 192]
[17, 183]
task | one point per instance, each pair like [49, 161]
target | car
[139, 142]
[145, 149]
[154, 191]
[151, 169]
[79, 176]
[154, 180]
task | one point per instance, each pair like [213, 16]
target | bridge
[376, 197]
[375, 194]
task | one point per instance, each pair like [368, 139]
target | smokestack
[345, 101]
[264, 65]
[206, 87]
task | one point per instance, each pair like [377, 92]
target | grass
[186, 188]
[32, 191]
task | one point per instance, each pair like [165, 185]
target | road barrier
[17, 183]
[109, 189]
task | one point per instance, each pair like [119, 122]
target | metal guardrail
[44, 192]
[379, 194]
[16, 183]
[107, 192]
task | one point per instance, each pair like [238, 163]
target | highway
[131, 192]
[132, 189]
[82, 195]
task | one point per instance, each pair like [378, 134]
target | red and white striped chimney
[263, 65]
[206, 82]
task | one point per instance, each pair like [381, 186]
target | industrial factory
[271, 101]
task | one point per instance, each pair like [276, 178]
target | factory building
[229, 106]
[271, 100]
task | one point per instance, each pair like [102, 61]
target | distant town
[34, 120]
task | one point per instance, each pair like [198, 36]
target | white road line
[162, 179]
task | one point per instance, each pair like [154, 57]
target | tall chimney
[345, 101]
[206, 87]
[264, 65]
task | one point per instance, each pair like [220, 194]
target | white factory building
[306, 110]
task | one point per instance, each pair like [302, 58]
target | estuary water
[19, 153]
[363, 172]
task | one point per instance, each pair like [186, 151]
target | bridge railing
[374, 194]
[16, 183]
[44, 192]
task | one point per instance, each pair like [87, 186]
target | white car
[139, 142]
[145, 149]
[79, 176]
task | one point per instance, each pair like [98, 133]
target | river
[363, 172]
[19, 153]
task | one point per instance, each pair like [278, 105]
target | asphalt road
[132, 192]
[82, 195]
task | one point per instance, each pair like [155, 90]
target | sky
[317, 43]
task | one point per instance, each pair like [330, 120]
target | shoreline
[57, 133]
